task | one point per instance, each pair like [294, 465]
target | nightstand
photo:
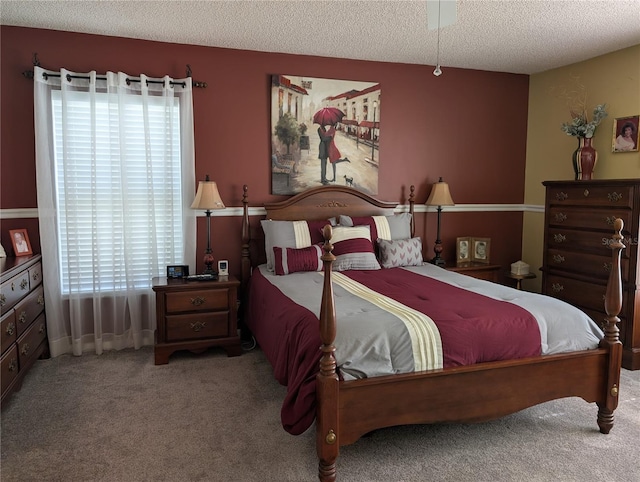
[195, 315]
[487, 272]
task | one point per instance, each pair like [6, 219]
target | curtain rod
[29, 74]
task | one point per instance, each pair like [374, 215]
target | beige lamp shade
[207, 197]
[440, 195]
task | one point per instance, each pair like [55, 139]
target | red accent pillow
[292, 260]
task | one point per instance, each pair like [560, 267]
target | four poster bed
[351, 393]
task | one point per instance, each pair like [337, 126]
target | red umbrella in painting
[327, 116]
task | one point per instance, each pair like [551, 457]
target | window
[104, 201]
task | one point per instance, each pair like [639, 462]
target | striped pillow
[397, 226]
[353, 248]
[290, 234]
[291, 260]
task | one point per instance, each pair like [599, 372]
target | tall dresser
[24, 330]
[579, 219]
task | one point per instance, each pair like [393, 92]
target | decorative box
[519, 268]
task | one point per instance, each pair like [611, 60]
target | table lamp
[440, 196]
[208, 198]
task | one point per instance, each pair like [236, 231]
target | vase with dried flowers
[585, 156]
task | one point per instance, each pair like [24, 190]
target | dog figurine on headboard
[348, 180]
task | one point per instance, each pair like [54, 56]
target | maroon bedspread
[473, 329]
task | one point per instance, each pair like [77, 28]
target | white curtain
[115, 180]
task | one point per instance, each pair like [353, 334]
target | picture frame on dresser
[20, 242]
[481, 250]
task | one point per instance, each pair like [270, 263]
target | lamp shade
[440, 195]
[207, 197]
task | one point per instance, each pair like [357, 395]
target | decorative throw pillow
[397, 226]
[400, 252]
[291, 260]
[290, 234]
[353, 248]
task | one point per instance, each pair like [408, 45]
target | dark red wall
[468, 126]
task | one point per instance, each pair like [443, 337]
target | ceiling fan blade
[448, 13]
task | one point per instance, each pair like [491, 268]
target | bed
[346, 407]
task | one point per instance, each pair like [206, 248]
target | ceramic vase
[584, 159]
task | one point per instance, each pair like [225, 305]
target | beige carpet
[118, 417]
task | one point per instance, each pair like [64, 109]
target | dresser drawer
[585, 241]
[13, 290]
[197, 325]
[8, 330]
[582, 294]
[35, 275]
[10, 367]
[618, 196]
[197, 300]
[31, 339]
[601, 219]
[583, 263]
[29, 308]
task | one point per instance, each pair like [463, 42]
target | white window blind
[113, 213]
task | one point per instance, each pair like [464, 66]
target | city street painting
[324, 132]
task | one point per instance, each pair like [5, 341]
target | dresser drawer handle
[35, 276]
[607, 267]
[559, 238]
[610, 220]
[557, 287]
[558, 258]
[586, 193]
[3, 300]
[561, 217]
[11, 328]
[614, 197]
[197, 301]
[198, 325]
[41, 300]
[24, 284]
[561, 196]
[23, 317]
[13, 365]
[41, 329]
[25, 349]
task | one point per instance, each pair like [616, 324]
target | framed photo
[20, 241]
[178, 271]
[463, 251]
[625, 134]
[480, 250]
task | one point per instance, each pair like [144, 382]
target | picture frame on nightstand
[463, 251]
[480, 250]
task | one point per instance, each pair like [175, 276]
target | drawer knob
[586, 193]
[41, 300]
[23, 317]
[607, 267]
[561, 196]
[25, 349]
[610, 220]
[560, 217]
[41, 329]
[3, 300]
[614, 197]
[24, 283]
[13, 365]
[557, 287]
[559, 238]
[197, 301]
[198, 325]
[11, 328]
[35, 276]
[558, 258]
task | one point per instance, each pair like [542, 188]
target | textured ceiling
[520, 36]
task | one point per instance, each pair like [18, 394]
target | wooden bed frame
[346, 410]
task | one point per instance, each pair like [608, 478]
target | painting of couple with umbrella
[324, 131]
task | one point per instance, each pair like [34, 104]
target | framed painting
[324, 131]
[625, 134]
[463, 253]
[20, 241]
[480, 250]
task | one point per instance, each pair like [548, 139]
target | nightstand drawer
[197, 300]
[10, 367]
[197, 325]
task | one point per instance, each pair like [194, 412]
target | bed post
[412, 201]
[611, 340]
[327, 430]
[245, 261]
